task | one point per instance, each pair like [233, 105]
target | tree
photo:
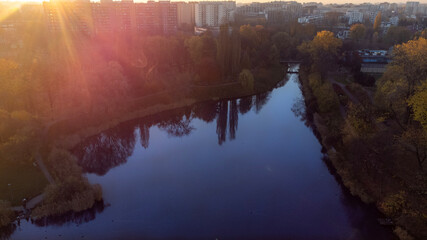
[282, 40]
[418, 103]
[412, 57]
[397, 35]
[249, 36]
[236, 52]
[357, 32]
[401, 79]
[224, 50]
[415, 141]
[246, 79]
[377, 22]
[6, 213]
[322, 51]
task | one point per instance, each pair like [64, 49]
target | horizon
[250, 1]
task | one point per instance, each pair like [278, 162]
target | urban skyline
[250, 1]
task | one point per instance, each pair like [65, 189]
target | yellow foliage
[393, 204]
[418, 102]
[21, 116]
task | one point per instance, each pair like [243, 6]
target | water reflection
[107, 150]
[72, 217]
[268, 183]
[111, 148]
[6, 232]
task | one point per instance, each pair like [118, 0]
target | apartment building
[411, 8]
[186, 14]
[354, 17]
[110, 16]
[214, 14]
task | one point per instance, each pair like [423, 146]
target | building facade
[186, 14]
[110, 16]
[214, 14]
[354, 17]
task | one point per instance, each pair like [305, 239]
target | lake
[247, 168]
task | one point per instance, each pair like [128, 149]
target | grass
[18, 181]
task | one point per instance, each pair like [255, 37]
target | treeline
[379, 136]
[69, 74]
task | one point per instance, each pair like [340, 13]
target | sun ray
[9, 10]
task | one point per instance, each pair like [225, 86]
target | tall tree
[377, 22]
[322, 51]
[357, 32]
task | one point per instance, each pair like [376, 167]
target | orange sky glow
[248, 1]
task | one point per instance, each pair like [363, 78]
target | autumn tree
[357, 32]
[418, 103]
[246, 79]
[377, 22]
[322, 51]
[403, 75]
[397, 35]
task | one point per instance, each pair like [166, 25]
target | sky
[248, 1]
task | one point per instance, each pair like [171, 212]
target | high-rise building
[411, 8]
[186, 14]
[110, 16]
[214, 14]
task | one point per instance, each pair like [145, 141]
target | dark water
[234, 169]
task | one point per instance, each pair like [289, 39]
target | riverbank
[373, 183]
[66, 133]
[69, 132]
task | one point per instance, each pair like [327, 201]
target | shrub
[392, 205]
[246, 79]
[70, 195]
[6, 213]
[63, 164]
[71, 191]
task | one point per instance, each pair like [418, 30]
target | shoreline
[342, 167]
[193, 95]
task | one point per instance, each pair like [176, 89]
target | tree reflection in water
[106, 150]
[144, 134]
[245, 104]
[260, 100]
[233, 119]
[72, 217]
[206, 111]
[111, 148]
[177, 126]
[6, 232]
[221, 121]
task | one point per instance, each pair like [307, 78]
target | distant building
[314, 19]
[394, 20]
[186, 14]
[345, 34]
[273, 12]
[374, 61]
[354, 17]
[371, 15]
[411, 8]
[214, 14]
[111, 16]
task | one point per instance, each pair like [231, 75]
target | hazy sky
[248, 1]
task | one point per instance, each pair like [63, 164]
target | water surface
[246, 168]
